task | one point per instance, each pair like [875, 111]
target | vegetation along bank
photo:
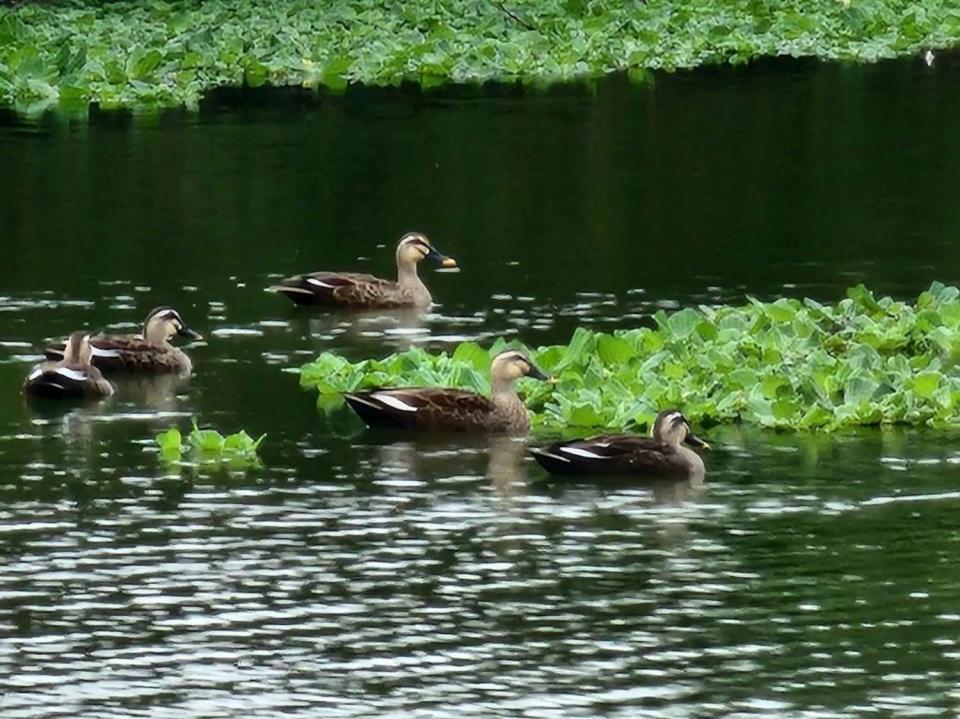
[145, 55]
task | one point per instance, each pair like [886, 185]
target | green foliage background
[787, 364]
[155, 53]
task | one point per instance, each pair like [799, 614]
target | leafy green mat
[158, 54]
[786, 364]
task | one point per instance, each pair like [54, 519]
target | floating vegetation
[208, 445]
[161, 54]
[788, 364]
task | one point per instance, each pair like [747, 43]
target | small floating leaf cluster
[208, 445]
[168, 53]
[788, 364]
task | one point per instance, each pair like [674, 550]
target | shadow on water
[357, 573]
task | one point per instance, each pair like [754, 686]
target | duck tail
[553, 463]
[60, 383]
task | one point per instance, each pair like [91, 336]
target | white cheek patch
[578, 452]
[71, 374]
[319, 283]
[394, 402]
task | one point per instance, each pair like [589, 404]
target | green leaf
[334, 74]
[863, 298]
[472, 354]
[255, 73]
[614, 350]
[859, 389]
[206, 440]
[684, 323]
[170, 440]
[926, 384]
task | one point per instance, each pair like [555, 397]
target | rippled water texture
[367, 574]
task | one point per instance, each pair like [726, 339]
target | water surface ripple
[362, 574]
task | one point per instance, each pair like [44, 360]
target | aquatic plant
[208, 445]
[168, 53]
[787, 364]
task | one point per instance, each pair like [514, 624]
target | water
[363, 574]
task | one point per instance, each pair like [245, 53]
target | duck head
[78, 350]
[414, 248]
[673, 429]
[512, 365]
[164, 323]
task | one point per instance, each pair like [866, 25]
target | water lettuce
[208, 445]
[165, 53]
[788, 364]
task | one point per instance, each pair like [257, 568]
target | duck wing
[430, 408]
[608, 454]
[337, 288]
[55, 380]
[122, 352]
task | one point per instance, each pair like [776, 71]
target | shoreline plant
[789, 364]
[169, 53]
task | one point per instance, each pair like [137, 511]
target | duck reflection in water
[400, 329]
[507, 465]
[157, 392]
[436, 457]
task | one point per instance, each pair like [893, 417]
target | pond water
[363, 574]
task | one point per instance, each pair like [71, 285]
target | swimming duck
[349, 289]
[72, 377]
[663, 453]
[150, 351]
[445, 409]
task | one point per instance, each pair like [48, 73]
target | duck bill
[441, 259]
[537, 373]
[189, 334]
[693, 441]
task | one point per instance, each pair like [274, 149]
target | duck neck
[407, 276]
[509, 406]
[504, 394]
[691, 459]
[410, 282]
[155, 335]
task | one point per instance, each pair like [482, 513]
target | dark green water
[358, 575]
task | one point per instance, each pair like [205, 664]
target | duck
[664, 453]
[149, 351]
[72, 377]
[441, 409]
[361, 291]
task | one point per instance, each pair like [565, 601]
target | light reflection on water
[424, 577]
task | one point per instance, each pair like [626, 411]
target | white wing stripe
[578, 452]
[71, 374]
[394, 402]
[318, 283]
